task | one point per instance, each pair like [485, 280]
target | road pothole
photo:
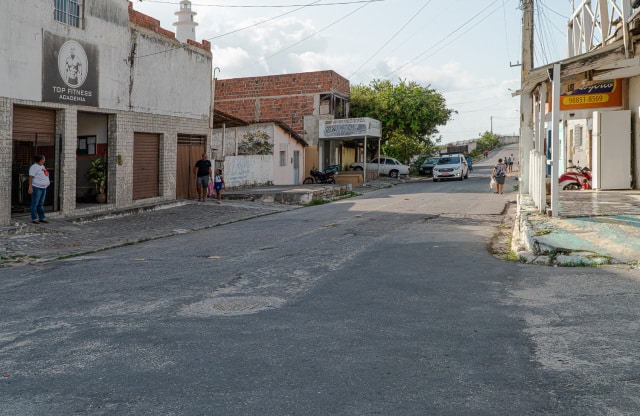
[229, 306]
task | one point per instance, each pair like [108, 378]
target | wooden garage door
[190, 150]
[146, 163]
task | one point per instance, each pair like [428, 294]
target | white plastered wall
[634, 106]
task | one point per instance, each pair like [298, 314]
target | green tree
[410, 115]
[404, 148]
[487, 141]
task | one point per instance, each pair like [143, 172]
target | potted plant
[97, 174]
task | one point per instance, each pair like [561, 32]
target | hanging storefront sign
[602, 94]
[350, 128]
[69, 71]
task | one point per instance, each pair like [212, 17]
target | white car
[388, 166]
[451, 167]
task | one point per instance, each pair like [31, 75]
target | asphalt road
[386, 304]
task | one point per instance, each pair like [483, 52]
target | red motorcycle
[575, 178]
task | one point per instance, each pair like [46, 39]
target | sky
[467, 50]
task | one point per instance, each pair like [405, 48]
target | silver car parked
[451, 167]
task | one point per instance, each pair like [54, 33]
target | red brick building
[298, 100]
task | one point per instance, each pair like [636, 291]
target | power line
[461, 34]
[441, 40]
[540, 35]
[390, 39]
[266, 21]
[315, 33]
[506, 31]
[262, 6]
[241, 29]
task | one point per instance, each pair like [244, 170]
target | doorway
[33, 134]
[190, 150]
[296, 167]
[146, 161]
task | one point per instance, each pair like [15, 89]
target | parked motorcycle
[320, 177]
[575, 178]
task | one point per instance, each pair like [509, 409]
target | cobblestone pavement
[62, 237]
[26, 243]
[595, 227]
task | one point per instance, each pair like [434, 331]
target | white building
[260, 153]
[81, 80]
[186, 25]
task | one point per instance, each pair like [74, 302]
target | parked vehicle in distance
[388, 166]
[451, 167]
[426, 168]
[316, 176]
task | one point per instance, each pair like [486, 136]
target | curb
[536, 241]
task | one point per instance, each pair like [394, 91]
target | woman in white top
[38, 184]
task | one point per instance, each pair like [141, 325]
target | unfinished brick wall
[287, 98]
[150, 23]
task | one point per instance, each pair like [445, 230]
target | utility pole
[526, 98]
[491, 124]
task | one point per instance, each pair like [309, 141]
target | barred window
[68, 12]
[283, 156]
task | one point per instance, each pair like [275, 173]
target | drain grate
[232, 306]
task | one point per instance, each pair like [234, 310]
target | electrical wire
[390, 39]
[261, 6]
[266, 21]
[461, 34]
[441, 40]
[540, 35]
[315, 33]
[241, 29]
[506, 31]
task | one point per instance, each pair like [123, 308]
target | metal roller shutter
[31, 120]
[146, 165]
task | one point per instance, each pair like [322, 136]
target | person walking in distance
[218, 184]
[511, 163]
[202, 174]
[486, 154]
[500, 175]
[38, 184]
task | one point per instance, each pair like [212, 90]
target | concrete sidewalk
[594, 228]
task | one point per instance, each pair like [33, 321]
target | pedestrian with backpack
[500, 175]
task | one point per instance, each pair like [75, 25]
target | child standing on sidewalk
[218, 184]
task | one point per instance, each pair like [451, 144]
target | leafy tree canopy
[487, 141]
[410, 115]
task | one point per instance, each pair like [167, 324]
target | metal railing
[595, 22]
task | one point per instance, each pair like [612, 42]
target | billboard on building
[597, 95]
[350, 128]
[69, 71]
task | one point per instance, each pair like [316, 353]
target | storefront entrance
[33, 133]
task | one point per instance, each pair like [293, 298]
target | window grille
[577, 136]
[68, 12]
[192, 139]
[282, 159]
